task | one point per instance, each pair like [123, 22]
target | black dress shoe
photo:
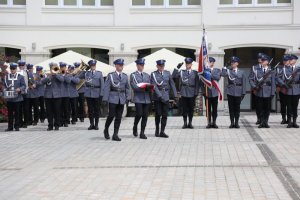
[8, 129]
[81, 120]
[116, 138]
[184, 126]
[283, 121]
[106, 134]
[73, 122]
[214, 125]
[295, 125]
[267, 125]
[135, 133]
[24, 126]
[66, 125]
[56, 128]
[231, 126]
[262, 125]
[17, 129]
[42, 120]
[34, 124]
[290, 125]
[237, 126]
[156, 132]
[142, 135]
[96, 127]
[163, 135]
[208, 126]
[258, 122]
[91, 127]
[190, 126]
[50, 129]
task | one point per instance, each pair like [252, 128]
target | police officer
[117, 94]
[163, 82]
[93, 93]
[281, 86]
[40, 87]
[65, 96]
[265, 92]
[142, 96]
[14, 82]
[73, 93]
[81, 99]
[236, 90]
[189, 89]
[211, 95]
[251, 75]
[24, 104]
[32, 96]
[291, 78]
[54, 82]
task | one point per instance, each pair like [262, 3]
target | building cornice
[152, 28]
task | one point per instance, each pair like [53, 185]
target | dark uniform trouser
[212, 108]
[13, 109]
[142, 111]
[93, 109]
[23, 111]
[65, 110]
[234, 104]
[53, 108]
[73, 106]
[292, 106]
[264, 108]
[283, 104]
[33, 103]
[115, 111]
[81, 106]
[42, 113]
[188, 105]
[161, 114]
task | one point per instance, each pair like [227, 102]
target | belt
[192, 86]
[267, 84]
[163, 89]
[236, 84]
[92, 86]
[117, 90]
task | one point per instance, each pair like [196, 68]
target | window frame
[10, 4]
[78, 5]
[255, 3]
[166, 5]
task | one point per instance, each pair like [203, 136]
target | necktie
[120, 76]
[188, 72]
[142, 75]
[264, 71]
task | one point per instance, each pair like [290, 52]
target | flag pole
[206, 92]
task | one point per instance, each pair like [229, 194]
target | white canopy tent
[172, 60]
[70, 57]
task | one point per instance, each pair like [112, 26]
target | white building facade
[109, 29]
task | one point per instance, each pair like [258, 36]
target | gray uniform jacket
[236, 82]
[294, 87]
[72, 86]
[94, 84]
[189, 82]
[212, 92]
[269, 86]
[139, 94]
[162, 84]
[53, 87]
[12, 83]
[40, 86]
[116, 89]
[65, 86]
[32, 92]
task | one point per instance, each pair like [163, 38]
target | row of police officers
[58, 89]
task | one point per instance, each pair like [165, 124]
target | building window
[236, 3]
[165, 3]
[12, 3]
[78, 3]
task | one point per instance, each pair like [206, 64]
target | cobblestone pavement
[74, 163]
